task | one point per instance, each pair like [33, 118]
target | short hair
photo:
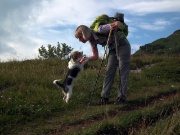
[83, 31]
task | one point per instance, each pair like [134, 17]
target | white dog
[74, 68]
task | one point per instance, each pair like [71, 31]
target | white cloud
[141, 7]
[161, 22]
[155, 25]
[68, 12]
[26, 25]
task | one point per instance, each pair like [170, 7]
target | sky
[26, 25]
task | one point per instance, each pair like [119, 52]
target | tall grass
[167, 126]
[27, 92]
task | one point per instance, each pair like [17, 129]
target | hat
[84, 31]
[119, 16]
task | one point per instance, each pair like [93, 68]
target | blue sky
[26, 25]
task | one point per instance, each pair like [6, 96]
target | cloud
[155, 25]
[14, 37]
[26, 25]
[68, 12]
[5, 49]
[141, 7]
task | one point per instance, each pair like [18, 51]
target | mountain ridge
[162, 46]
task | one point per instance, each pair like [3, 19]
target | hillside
[162, 46]
[31, 105]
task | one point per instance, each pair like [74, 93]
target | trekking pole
[92, 94]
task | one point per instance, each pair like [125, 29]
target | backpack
[105, 19]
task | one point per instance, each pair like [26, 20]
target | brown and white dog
[74, 68]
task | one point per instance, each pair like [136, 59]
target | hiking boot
[104, 101]
[120, 101]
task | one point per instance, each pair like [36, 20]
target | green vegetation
[31, 104]
[60, 52]
[168, 126]
[168, 45]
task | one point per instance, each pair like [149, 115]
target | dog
[74, 68]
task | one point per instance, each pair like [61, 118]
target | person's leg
[124, 71]
[110, 74]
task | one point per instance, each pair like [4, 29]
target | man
[120, 55]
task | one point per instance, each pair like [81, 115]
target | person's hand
[115, 25]
[82, 59]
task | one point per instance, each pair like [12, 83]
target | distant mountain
[168, 45]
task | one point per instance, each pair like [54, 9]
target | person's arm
[94, 56]
[104, 29]
[95, 53]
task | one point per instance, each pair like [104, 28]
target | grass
[167, 126]
[123, 123]
[31, 104]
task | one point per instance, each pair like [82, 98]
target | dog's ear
[74, 55]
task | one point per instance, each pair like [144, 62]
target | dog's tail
[60, 85]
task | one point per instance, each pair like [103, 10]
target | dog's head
[75, 55]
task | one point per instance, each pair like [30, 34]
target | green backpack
[104, 19]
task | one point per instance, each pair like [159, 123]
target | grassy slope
[31, 104]
[171, 45]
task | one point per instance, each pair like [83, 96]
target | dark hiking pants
[123, 69]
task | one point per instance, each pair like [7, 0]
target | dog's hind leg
[68, 95]
[58, 83]
[64, 98]
[65, 95]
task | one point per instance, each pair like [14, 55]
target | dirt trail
[130, 106]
